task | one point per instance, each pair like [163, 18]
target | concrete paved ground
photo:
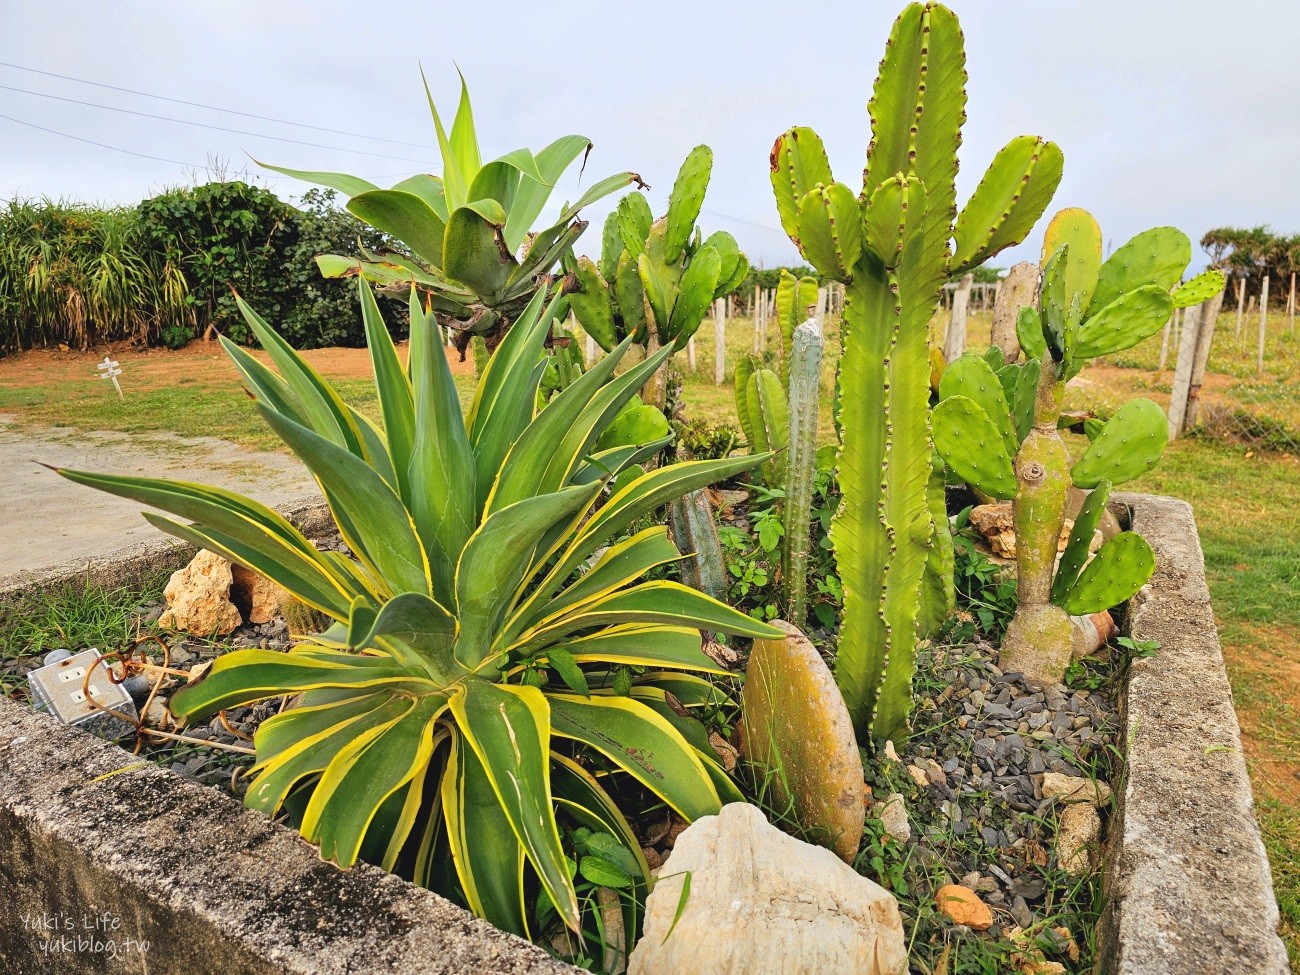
[46, 520]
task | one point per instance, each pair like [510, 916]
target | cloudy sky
[1168, 113]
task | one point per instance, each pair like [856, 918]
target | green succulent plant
[894, 245]
[469, 232]
[475, 685]
[656, 279]
[996, 426]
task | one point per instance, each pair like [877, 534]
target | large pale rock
[762, 901]
[795, 725]
[256, 596]
[198, 598]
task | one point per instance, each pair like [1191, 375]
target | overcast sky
[1168, 113]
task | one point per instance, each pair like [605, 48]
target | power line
[213, 108]
[207, 125]
[102, 145]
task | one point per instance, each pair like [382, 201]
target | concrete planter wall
[89, 832]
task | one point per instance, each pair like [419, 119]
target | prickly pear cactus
[656, 275]
[1087, 308]
[801, 461]
[893, 266]
[793, 298]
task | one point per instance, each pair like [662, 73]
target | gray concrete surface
[111, 865]
[1188, 885]
[46, 520]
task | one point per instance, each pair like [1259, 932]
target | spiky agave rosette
[483, 632]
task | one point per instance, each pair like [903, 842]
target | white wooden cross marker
[109, 369]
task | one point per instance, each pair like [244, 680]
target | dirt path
[46, 519]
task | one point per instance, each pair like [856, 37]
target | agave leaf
[489, 860]
[498, 557]
[508, 726]
[405, 216]
[374, 765]
[533, 192]
[302, 741]
[246, 676]
[442, 467]
[429, 189]
[474, 252]
[370, 515]
[393, 386]
[643, 743]
[345, 184]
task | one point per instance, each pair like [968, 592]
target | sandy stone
[1078, 833]
[964, 906]
[257, 597]
[762, 901]
[893, 817]
[994, 522]
[1075, 788]
[198, 598]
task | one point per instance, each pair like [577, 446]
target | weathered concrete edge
[216, 888]
[1189, 889]
[135, 563]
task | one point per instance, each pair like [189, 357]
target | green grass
[73, 616]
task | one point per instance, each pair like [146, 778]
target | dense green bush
[162, 271]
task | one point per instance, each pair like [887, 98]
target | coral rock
[762, 901]
[1075, 788]
[256, 596]
[1078, 833]
[964, 906]
[794, 720]
[198, 598]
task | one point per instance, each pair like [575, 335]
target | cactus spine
[889, 247]
[1086, 309]
[805, 375]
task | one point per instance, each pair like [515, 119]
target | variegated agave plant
[478, 679]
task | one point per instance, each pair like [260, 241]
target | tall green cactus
[764, 412]
[801, 462]
[998, 430]
[656, 279]
[890, 248]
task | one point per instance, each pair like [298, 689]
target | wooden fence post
[1204, 339]
[690, 354]
[1183, 370]
[1263, 325]
[720, 338]
[955, 342]
[1290, 305]
[1241, 301]
[759, 335]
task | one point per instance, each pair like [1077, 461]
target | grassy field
[1247, 500]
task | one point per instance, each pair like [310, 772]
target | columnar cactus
[801, 462]
[655, 279]
[794, 298]
[890, 247]
[764, 413]
[996, 427]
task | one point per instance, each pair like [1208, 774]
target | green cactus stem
[801, 458]
[1037, 643]
[695, 532]
[884, 529]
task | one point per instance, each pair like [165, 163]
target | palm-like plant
[477, 675]
[469, 231]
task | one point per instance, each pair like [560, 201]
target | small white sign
[109, 369]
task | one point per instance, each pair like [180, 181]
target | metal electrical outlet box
[62, 689]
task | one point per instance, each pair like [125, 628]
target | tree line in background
[1250, 254]
[161, 272]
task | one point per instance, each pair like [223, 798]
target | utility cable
[213, 108]
[207, 125]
